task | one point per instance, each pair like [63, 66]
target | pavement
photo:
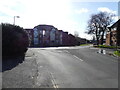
[64, 67]
[107, 51]
[23, 75]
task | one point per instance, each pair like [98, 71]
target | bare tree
[98, 23]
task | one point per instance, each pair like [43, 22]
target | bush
[14, 41]
[117, 53]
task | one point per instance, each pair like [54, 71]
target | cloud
[9, 9]
[94, 0]
[115, 18]
[34, 12]
[82, 10]
[105, 9]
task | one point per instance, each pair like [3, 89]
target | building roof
[116, 24]
[45, 27]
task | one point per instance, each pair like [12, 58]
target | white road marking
[77, 58]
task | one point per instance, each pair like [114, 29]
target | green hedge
[14, 41]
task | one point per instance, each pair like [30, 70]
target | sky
[67, 15]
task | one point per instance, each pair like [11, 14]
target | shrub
[14, 41]
[117, 53]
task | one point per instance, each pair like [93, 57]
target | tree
[98, 23]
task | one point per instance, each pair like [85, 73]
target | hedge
[14, 41]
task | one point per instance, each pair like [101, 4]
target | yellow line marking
[53, 81]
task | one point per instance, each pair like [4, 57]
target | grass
[105, 46]
[117, 53]
[84, 44]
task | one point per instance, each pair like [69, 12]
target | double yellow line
[54, 82]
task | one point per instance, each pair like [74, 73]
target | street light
[14, 19]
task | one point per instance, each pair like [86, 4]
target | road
[65, 67]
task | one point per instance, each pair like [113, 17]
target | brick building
[72, 40]
[65, 39]
[60, 37]
[113, 34]
[45, 35]
[48, 35]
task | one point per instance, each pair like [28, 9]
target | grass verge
[84, 44]
[105, 46]
[117, 53]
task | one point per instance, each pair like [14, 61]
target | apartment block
[113, 34]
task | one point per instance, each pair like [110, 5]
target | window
[43, 32]
[115, 28]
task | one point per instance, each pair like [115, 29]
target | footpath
[23, 75]
[107, 51]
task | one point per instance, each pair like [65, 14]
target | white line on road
[77, 58]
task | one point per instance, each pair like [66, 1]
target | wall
[48, 35]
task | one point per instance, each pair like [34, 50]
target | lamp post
[14, 19]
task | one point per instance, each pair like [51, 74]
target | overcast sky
[66, 15]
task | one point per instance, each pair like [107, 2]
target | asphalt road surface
[64, 67]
